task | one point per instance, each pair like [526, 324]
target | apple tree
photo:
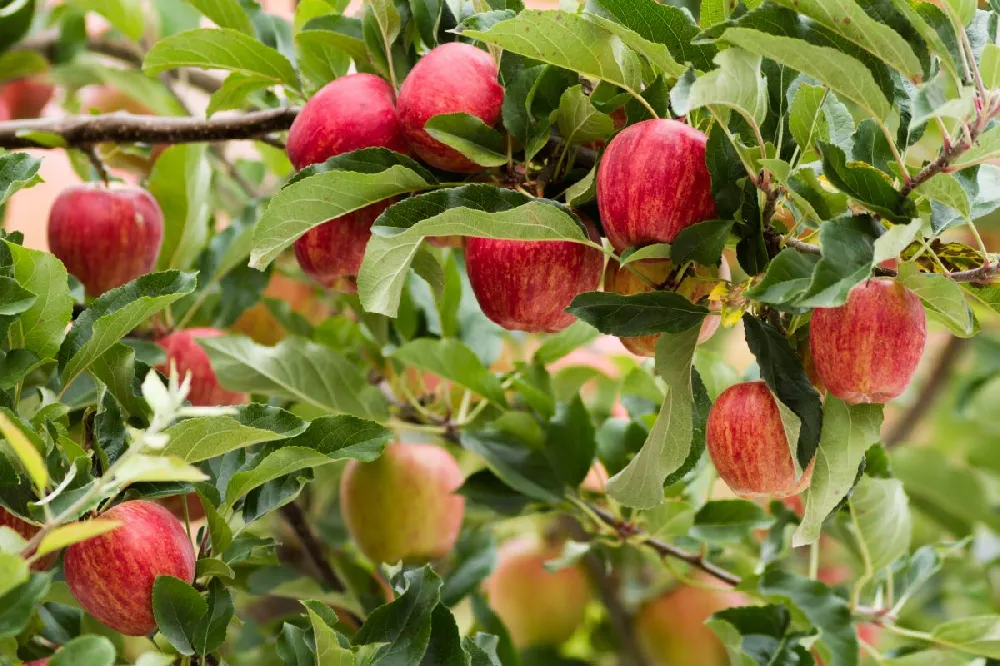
[464, 333]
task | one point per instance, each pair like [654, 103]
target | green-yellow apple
[105, 236]
[747, 442]
[868, 349]
[652, 183]
[671, 628]
[538, 606]
[403, 505]
[452, 78]
[112, 575]
[188, 356]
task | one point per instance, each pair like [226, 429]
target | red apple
[184, 351]
[748, 446]
[38, 662]
[27, 531]
[106, 236]
[527, 285]
[695, 288]
[403, 506]
[452, 78]
[27, 96]
[868, 349]
[112, 575]
[671, 628]
[538, 606]
[5, 113]
[653, 183]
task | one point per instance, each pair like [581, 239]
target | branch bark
[84, 131]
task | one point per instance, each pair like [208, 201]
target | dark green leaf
[729, 520]
[405, 623]
[17, 171]
[85, 651]
[865, 184]
[702, 243]
[177, 608]
[570, 442]
[637, 314]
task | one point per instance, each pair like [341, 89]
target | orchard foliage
[770, 166]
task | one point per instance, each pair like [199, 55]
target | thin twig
[98, 164]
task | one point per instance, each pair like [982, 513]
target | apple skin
[868, 349]
[538, 606]
[451, 78]
[527, 285]
[183, 349]
[27, 531]
[27, 97]
[653, 183]
[105, 236]
[403, 506]
[38, 662]
[747, 443]
[671, 628]
[112, 575]
[624, 281]
[353, 112]
[5, 113]
[331, 254]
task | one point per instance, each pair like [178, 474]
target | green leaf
[666, 448]
[975, 635]
[117, 370]
[945, 188]
[219, 49]
[848, 431]
[70, 533]
[806, 119]
[387, 18]
[930, 35]
[225, 14]
[637, 314]
[470, 136]
[848, 19]
[989, 66]
[729, 520]
[663, 24]
[328, 650]
[233, 92]
[559, 345]
[736, 83]
[701, 243]
[309, 202]
[837, 70]
[177, 607]
[865, 184]
[758, 635]
[322, 56]
[471, 210]
[943, 298]
[928, 658]
[896, 239]
[452, 360]
[578, 119]
[157, 469]
[343, 33]
[405, 622]
[27, 453]
[210, 630]
[197, 439]
[788, 276]
[657, 55]
[17, 171]
[17, 607]
[519, 464]
[42, 327]
[848, 247]
[14, 571]
[571, 41]
[85, 651]
[114, 314]
[570, 442]
[297, 370]
[127, 16]
[881, 518]
[20, 64]
[181, 181]
[14, 299]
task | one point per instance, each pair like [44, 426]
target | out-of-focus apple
[26, 97]
[27, 531]
[187, 355]
[260, 325]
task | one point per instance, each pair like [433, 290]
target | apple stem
[99, 167]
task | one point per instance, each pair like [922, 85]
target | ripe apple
[331, 254]
[353, 112]
[184, 351]
[671, 628]
[868, 349]
[403, 505]
[259, 324]
[694, 287]
[527, 285]
[106, 236]
[112, 575]
[653, 183]
[452, 78]
[538, 606]
[27, 531]
[5, 113]
[748, 446]
[26, 97]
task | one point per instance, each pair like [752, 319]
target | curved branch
[85, 131]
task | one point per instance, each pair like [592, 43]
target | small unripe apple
[112, 575]
[671, 628]
[403, 505]
[538, 606]
[106, 236]
[868, 349]
[452, 78]
[527, 285]
[653, 183]
[188, 356]
[747, 442]
[26, 97]
[696, 287]
[27, 531]
[331, 254]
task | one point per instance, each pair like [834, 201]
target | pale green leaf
[976, 635]
[579, 121]
[890, 244]
[658, 55]
[128, 16]
[21, 63]
[181, 181]
[42, 327]
[452, 360]
[470, 136]
[67, 535]
[943, 298]
[328, 649]
[880, 514]
[197, 439]
[26, 452]
[234, 92]
[989, 66]
[737, 83]
[13, 571]
[157, 469]
[225, 14]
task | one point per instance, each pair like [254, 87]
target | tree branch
[88, 130]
